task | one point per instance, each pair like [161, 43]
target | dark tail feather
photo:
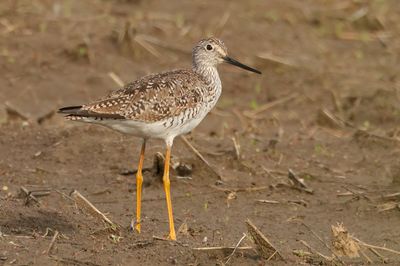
[78, 112]
[71, 110]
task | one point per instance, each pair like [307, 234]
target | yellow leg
[167, 186]
[139, 182]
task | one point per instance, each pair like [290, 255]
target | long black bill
[237, 63]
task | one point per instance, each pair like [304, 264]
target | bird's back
[152, 98]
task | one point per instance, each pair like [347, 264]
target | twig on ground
[40, 193]
[268, 201]
[198, 154]
[384, 260]
[64, 195]
[357, 193]
[315, 251]
[272, 255]
[299, 202]
[337, 103]
[167, 239]
[360, 133]
[244, 122]
[356, 36]
[222, 248]
[220, 112]
[264, 246]
[327, 119]
[29, 196]
[269, 172]
[346, 194]
[254, 114]
[392, 196]
[369, 261]
[162, 44]
[234, 250]
[14, 113]
[160, 238]
[323, 242]
[141, 244]
[53, 240]
[277, 59]
[358, 14]
[46, 116]
[146, 45]
[236, 145]
[87, 205]
[299, 183]
[387, 206]
[376, 247]
[116, 79]
[46, 233]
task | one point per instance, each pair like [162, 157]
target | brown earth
[330, 76]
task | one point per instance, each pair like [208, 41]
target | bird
[161, 106]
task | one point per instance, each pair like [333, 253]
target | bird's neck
[209, 74]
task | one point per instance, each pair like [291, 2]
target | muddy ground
[326, 107]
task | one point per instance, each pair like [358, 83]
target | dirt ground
[326, 107]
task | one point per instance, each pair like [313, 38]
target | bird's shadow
[40, 221]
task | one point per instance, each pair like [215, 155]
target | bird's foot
[172, 236]
[135, 226]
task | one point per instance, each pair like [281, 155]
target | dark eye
[209, 47]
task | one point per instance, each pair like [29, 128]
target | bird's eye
[209, 47]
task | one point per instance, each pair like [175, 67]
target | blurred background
[61, 52]
[326, 106]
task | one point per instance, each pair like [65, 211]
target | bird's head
[211, 52]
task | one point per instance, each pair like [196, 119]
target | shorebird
[161, 106]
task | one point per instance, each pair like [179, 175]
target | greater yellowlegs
[161, 106]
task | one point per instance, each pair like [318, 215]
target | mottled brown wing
[153, 98]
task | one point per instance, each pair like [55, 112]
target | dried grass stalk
[264, 246]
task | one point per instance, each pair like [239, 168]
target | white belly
[165, 129]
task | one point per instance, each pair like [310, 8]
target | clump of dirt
[343, 244]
